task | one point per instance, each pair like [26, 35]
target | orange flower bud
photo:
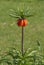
[22, 22]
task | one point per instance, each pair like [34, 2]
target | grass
[10, 33]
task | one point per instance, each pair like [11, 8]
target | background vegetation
[10, 33]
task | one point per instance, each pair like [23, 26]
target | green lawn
[10, 33]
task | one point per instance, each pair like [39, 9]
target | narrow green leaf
[14, 16]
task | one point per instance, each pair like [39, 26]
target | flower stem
[22, 45]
